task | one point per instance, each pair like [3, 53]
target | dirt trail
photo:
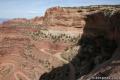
[43, 50]
[58, 55]
[22, 74]
[71, 67]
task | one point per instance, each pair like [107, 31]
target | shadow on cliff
[97, 45]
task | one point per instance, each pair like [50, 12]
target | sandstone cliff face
[63, 17]
[28, 51]
[93, 20]
[16, 20]
[78, 17]
[103, 23]
[108, 68]
[97, 46]
[37, 20]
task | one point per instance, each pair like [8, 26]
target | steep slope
[68, 43]
[96, 46]
[21, 58]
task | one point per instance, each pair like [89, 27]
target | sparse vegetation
[91, 9]
[26, 24]
[55, 37]
[27, 56]
[70, 53]
[79, 11]
[108, 12]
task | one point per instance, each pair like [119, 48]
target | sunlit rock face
[63, 17]
[67, 43]
[98, 46]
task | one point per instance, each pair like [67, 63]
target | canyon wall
[97, 41]
[59, 16]
[97, 44]
[88, 20]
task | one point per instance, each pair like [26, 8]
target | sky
[32, 8]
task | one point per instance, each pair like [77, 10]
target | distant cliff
[2, 20]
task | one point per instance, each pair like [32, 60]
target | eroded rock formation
[68, 43]
[97, 46]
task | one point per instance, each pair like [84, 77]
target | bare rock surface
[67, 43]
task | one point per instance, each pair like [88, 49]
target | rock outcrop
[63, 17]
[37, 20]
[68, 43]
[97, 45]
